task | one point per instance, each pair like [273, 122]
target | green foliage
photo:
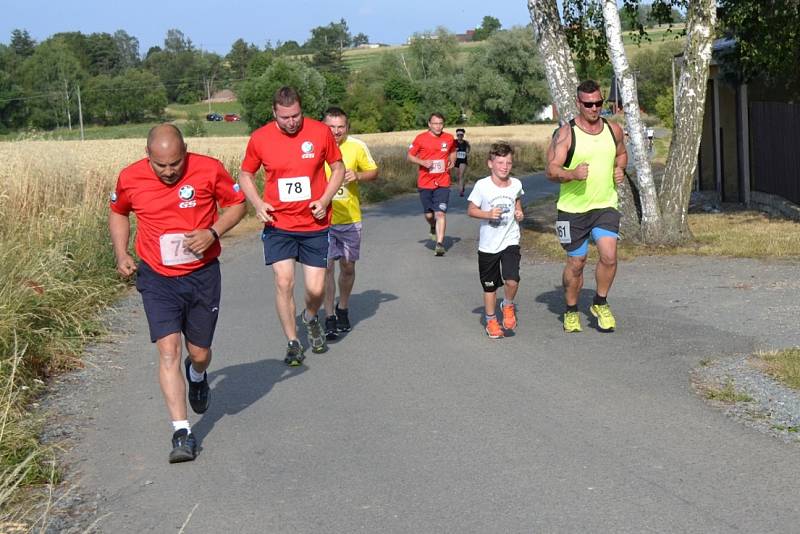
[194, 127]
[488, 27]
[433, 54]
[335, 87]
[22, 44]
[132, 96]
[256, 93]
[505, 81]
[767, 38]
[334, 35]
[239, 58]
[654, 68]
[360, 39]
[664, 108]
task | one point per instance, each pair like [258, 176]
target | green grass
[783, 365]
[183, 111]
[727, 394]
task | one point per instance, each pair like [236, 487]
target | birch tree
[664, 213]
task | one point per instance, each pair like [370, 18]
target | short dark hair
[500, 149]
[588, 86]
[460, 130]
[286, 96]
[335, 111]
[437, 115]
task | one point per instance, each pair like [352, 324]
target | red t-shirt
[172, 210]
[438, 148]
[294, 171]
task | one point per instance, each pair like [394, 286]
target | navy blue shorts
[187, 304]
[308, 248]
[434, 199]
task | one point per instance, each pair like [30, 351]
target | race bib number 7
[174, 251]
[562, 229]
[294, 189]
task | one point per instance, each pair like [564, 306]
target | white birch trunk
[551, 42]
[691, 95]
[651, 215]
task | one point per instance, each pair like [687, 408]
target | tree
[257, 92]
[103, 54]
[239, 57]
[505, 79]
[767, 40]
[52, 72]
[433, 53]
[131, 96]
[289, 48]
[128, 47]
[488, 27]
[334, 35]
[22, 44]
[654, 68]
[663, 215]
[360, 39]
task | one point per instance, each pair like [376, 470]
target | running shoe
[572, 321]
[605, 320]
[342, 320]
[509, 316]
[439, 250]
[493, 329]
[183, 447]
[330, 328]
[315, 335]
[294, 354]
[461, 194]
[198, 391]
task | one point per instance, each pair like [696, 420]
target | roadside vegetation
[783, 365]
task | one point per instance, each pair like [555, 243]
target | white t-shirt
[498, 234]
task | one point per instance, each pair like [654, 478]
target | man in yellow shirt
[345, 231]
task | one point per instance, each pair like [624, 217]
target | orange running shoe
[493, 329]
[509, 317]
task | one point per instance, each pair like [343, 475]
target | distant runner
[294, 209]
[496, 200]
[587, 157]
[344, 234]
[175, 195]
[462, 154]
[434, 152]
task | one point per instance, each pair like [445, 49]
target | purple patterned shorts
[344, 241]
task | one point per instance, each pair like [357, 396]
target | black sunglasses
[596, 104]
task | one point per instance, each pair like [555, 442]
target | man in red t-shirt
[434, 152]
[175, 195]
[294, 209]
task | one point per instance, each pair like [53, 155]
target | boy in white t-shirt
[496, 200]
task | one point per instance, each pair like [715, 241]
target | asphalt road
[417, 422]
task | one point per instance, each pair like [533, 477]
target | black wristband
[214, 233]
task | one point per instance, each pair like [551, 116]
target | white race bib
[294, 189]
[562, 228]
[461, 154]
[437, 165]
[342, 194]
[174, 251]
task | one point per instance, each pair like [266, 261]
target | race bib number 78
[294, 189]
[174, 251]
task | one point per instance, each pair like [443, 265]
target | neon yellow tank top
[598, 190]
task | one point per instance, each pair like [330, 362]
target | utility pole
[80, 111]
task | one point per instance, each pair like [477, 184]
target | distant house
[465, 37]
[750, 149]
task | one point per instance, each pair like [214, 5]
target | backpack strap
[571, 150]
[611, 130]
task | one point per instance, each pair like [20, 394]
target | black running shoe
[183, 447]
[315, 335]
[294, 354]
[330, 328]
[439, 250]
[198, 391]
[342, 321]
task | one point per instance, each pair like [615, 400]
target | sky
[215, 25]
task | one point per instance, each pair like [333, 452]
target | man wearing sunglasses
[588, 157]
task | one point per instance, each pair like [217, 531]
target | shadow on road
[555, 303]
[236, 387]
[448, 243]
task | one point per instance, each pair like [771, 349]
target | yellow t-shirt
[347, 202]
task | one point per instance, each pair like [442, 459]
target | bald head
[167, 152]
